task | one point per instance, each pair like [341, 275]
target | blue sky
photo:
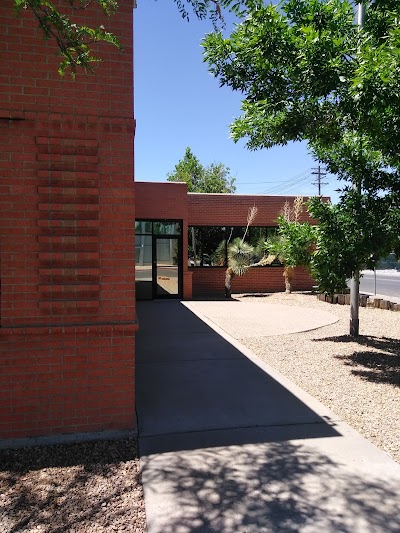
[179, 104]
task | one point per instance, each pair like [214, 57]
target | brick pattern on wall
[68, 190]
[33, 265]
[158, 200]
[30, 66]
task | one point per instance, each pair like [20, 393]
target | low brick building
[181, 241]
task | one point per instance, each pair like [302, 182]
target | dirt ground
[81, 488]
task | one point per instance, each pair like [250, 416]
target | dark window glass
[143, 227]
[208, 245]
[147, 227]
[166, 228]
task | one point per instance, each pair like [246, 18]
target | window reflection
[158, 227]
[166, 228]
[143, 226]
[208, 245]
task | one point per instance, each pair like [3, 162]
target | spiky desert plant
[240, 254]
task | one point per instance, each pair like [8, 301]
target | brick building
[67, 317]
[181, 241]
[67, 234]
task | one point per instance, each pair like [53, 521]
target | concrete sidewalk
[229, 445]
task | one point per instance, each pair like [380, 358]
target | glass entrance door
[158, 246]
[167, 282]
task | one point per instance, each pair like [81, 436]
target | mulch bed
[81, 488]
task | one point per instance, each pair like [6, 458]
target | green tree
[294, 242]
[351, 237]
[214, 178]
[76, 41]
[308, 72]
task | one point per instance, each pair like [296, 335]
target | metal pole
[360, 15]
[375, 280]
[355, 282]
[354, 304]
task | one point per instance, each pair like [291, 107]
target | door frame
[178, 296]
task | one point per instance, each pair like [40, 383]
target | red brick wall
[232, 209]
[75, 379]
[258, 279]
[66, 233]
[161, 200]
[29, 67]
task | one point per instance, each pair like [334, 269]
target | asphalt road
[388, 284]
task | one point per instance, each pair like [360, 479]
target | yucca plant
[240, 255]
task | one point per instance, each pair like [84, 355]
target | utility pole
[320, 174]
[355, 281]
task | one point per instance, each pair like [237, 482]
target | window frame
[227, 233]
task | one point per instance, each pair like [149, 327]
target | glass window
[143, 250]
[143, 226]
[166, 228]
[208, 245]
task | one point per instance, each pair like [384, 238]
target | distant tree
[389, 262]
[214, 178]
[76, 41]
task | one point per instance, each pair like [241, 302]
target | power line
[285, 187]
[275, 181]
[288, 185]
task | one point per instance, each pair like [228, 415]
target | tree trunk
[288, 275]
[229, 275]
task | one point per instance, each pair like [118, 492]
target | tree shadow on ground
[270, 487]
[256, 295]
[381, 361]
[272, 294]
[69, 487]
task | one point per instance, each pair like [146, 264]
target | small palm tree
[240, 254]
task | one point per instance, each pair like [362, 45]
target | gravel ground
[358, 379]
[91, 487]
[95, 487]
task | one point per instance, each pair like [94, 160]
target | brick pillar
[67, 316]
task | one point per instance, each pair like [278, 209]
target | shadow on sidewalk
[277, 487]
[195, 390]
